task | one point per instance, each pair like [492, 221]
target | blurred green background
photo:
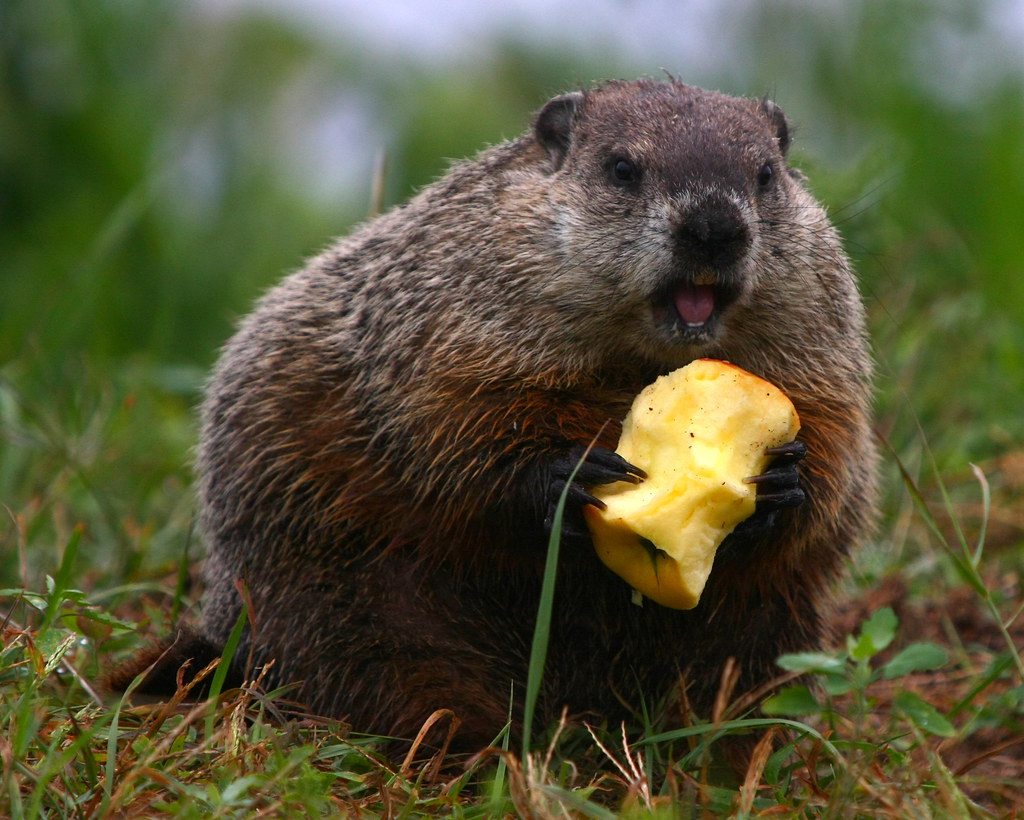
[162, 163]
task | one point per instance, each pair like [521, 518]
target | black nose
[712, 235]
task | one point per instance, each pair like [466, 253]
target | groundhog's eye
[623, 171]
[765, 175]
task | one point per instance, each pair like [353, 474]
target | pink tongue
[695, 303]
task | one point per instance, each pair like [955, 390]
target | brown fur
[378, 438]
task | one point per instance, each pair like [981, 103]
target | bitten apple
[698, 433]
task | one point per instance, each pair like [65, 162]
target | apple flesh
[699, 433]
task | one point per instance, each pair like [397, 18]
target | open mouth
[692, 308]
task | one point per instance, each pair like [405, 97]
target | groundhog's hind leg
[390, 643]
[420, 688]
[182, 654]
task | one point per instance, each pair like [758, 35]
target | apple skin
[698, 432]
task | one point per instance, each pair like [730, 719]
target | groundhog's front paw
[778, 488]
[599, 466]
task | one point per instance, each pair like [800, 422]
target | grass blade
[62, 580]
[220, 674]
[542, 630]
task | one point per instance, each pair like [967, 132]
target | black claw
[593, 501]
[605, 466]
[599, 466]
[794, 450]
[782, 476]
[577, 495]
[764, 478]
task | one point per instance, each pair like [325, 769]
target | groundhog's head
[678, 205]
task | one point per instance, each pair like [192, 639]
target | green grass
[869, 738]
[122, 271]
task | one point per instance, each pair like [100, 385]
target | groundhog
[385, 437]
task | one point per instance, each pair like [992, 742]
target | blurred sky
[456, 28]
[646, 30]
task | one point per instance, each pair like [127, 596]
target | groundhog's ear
[553, 126]
[779, 124]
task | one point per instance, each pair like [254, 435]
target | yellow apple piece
[698, 433]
